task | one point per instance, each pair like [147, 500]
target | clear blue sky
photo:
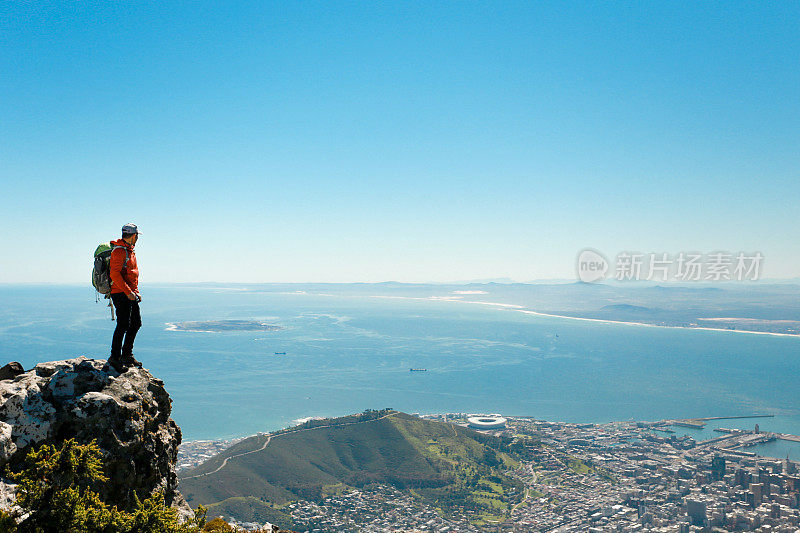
[409, 141]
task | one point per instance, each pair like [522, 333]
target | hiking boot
[129, 361]
[118, 364]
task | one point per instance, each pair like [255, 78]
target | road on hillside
[270, 437]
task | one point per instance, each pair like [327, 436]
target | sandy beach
[522, 309]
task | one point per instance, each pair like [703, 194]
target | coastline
[222, 326]
[522, 309]
[194, 452]
[171, 326]
[704, 328]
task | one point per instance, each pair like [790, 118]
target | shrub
[55, 492]
[217, 525]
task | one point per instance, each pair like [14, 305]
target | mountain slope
[440, 461]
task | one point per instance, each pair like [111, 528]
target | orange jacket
[123, 280]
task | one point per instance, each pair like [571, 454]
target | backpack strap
[125, 264]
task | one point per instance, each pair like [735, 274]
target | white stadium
[487, 422]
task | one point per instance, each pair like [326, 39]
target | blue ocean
[347, 351]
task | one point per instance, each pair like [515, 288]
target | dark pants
[129, 320]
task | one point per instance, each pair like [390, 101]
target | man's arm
[115, 266]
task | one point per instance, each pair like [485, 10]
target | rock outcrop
[127, 414]
[11, 370]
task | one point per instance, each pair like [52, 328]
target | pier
[700, 423]
[696, 424]
[716, 440]
[733, 438]
[733, 417]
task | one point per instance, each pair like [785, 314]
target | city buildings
[617, 477]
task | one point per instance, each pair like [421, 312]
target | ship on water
[280, 353]
[417, 369]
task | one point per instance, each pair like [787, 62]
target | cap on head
[130, 229]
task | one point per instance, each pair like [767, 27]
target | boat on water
[280, 353]
[417, 369]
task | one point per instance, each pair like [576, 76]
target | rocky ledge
[127, 414]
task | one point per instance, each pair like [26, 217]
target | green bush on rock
[56, 491]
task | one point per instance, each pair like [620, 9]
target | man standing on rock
[124, 274]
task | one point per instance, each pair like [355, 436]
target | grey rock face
[11, 370]
[127, 414]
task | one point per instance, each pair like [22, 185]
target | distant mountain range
[443, 464]
[764, 306]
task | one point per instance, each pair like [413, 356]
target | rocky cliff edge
[127, 414]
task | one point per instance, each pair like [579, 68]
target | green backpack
[101, 273]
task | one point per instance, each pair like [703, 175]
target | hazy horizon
[554, 281]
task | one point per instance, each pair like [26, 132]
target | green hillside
[250, 509]
[451, 467]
